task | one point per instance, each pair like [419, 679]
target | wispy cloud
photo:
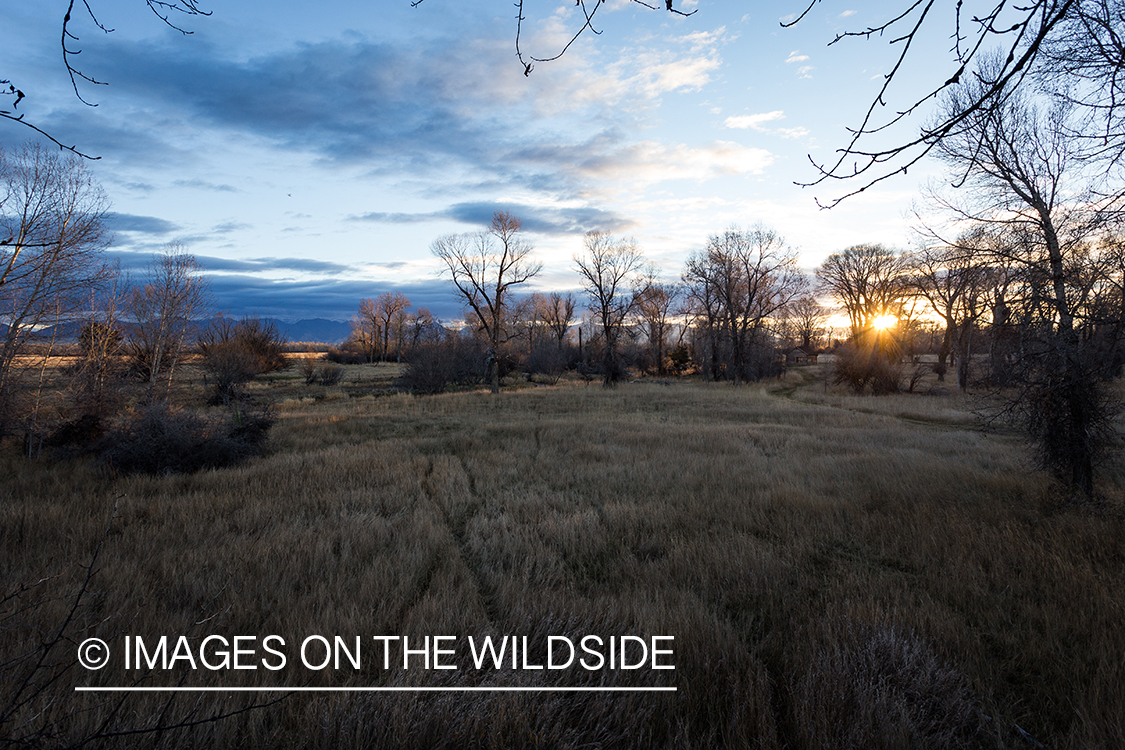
[428, 110]
[204, 185]
[757, 122]
[139, 224]
[230, 226]
[753, 122]
[550, 220]
[273, 265]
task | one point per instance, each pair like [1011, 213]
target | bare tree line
[733, 306]
[124, 337]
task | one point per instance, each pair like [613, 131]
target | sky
[308, 155]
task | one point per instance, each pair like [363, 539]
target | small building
[799, 356]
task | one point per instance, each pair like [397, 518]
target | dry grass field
[837, 571]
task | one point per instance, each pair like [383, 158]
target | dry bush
[861, 368]
[435, 366]
[548, 360]
[233, 353]
[162, 439]
[308, 370]
[325, 373]
[348, 354]
[870, 686]
[330, 374]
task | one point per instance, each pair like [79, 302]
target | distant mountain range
[320, 330]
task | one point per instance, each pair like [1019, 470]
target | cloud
[230, 226]
[267, 265]
[430, 109]
[137, 260]
[692, 74]
[395, 218]
[335, 299]
[204, 185]
[542, 220]
[132, 223]
[794, 57]
[699, 39]
[549, 220]
[753, 122]
[846, 14]
[648, 162]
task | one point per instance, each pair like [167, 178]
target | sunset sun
[883, 322]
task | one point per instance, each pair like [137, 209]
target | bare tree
[1086, 53]
[1106, 320]
[952, 281]
[166, 307]
[607, 271]
[484, 268]
[365, 328]
[703, 307]
[655, 302]
[101, 344]
[806, 318]
[390, 307]
[867, 281]
[755, 276]
[422, 328]
[558, 314]
[51, 225]
[1027, 181]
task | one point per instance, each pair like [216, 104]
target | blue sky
[308, 158]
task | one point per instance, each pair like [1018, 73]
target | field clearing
[832, 577]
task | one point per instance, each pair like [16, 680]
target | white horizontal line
[181, 689]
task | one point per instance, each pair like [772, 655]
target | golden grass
[833, 578]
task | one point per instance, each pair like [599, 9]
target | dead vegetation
[832, 578]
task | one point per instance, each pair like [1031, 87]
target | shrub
[330, 374]
[263, 342]
[430, 370]
[235, 353]
[434, 366]
[547, 360]
[860, 368]
[307, 368]
[680, 359]
[872, 686]
[348, 354]
[160, 439]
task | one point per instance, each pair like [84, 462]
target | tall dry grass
[832, 578]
